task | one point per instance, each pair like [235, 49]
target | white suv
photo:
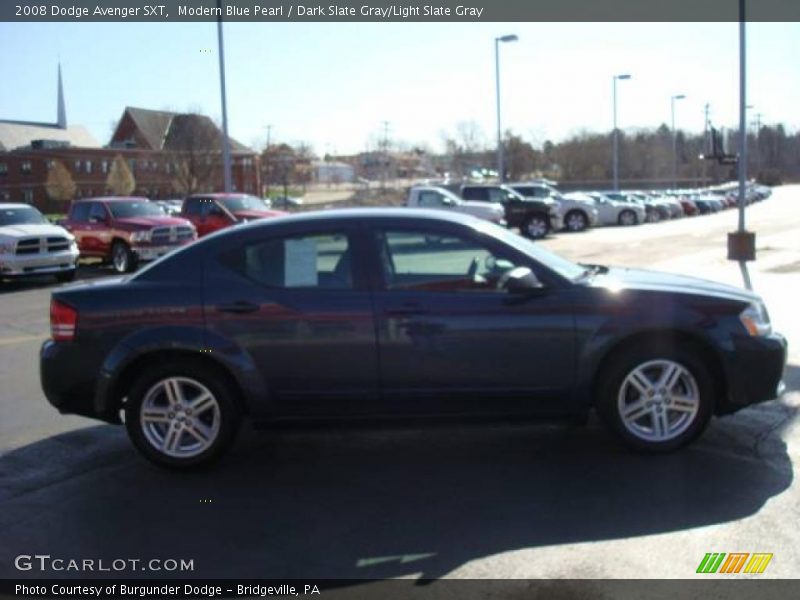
[428, 196]
[30, 245]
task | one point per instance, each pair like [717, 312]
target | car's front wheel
[627, 218]
[536, 227]
[122, 258]
[657, 400]
[182, 414]
[576, 221]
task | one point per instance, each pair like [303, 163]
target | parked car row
[537, 208]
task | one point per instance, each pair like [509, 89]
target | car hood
[145, 222]
[257, 214]
[642, 279]
[32, 229]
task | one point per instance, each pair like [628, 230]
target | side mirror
[520, 280]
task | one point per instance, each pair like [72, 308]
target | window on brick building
[104, 166]
[27, 196]
[3, 168]
[88, 166]
[77, 166]
[26, 167]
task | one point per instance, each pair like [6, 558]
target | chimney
[62, 110]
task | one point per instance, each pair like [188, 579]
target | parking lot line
[21, 339]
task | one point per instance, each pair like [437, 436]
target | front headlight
[140, 236]
[756, 319]
[8, 248]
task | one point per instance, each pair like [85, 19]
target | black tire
[627, 218]
[66, 276]
[215, 382]
[611, 392]
[123, 259]
[536, 227]
[575, 221]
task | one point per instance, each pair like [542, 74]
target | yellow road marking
[22, 338]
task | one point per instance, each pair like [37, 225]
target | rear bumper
[67, 378]
[755, 371]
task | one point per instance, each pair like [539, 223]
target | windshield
[21, 216]
[237, 203]
[139, 208]
[567, 269]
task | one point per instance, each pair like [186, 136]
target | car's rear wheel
[536, 227]
[627, 218]
[576, 221]
[122, 258]
[657, 400]
[182, 414]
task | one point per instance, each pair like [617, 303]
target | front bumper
[29, 265]
[147, 253]
[754, 371]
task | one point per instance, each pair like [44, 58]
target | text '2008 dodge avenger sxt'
[396, 313]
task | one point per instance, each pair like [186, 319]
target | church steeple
[62, 109]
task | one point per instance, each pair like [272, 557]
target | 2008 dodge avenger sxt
[391, 313]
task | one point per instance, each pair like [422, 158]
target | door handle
[240, 307]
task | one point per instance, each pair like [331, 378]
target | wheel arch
[663, 338]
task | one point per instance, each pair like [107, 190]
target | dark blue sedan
[395, 314]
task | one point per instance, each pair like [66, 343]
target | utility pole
[384, 154]
[706, 145]
[226, 146]
[266, 160]
[758, 143]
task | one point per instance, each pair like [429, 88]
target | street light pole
[616, 133]
[497, 40]
[675, 141]
[226, 147]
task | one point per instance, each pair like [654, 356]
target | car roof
[219, 195]
[112, 199]
[359, 214]
[15, 205]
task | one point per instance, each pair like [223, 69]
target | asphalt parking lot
[507, 502]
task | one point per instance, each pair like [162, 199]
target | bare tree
[60, 185]
[193, 147]
[120, 180]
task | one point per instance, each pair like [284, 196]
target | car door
[98, 234]
[295, 301]
[78, 224]
[451, 341]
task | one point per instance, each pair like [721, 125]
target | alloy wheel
[536, 228]
[180, 417]
[658, 400]
[120, 258]
[627, 218]
[576, 222]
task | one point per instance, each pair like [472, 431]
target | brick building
[169, 154]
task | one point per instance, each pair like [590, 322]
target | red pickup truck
[212, 212]
[125, 230]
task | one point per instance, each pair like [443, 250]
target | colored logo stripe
[734, 562]
[711, 562]
[758, 563]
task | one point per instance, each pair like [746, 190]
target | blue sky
[331, 85]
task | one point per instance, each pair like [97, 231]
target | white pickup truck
[429, 196]
[30, 245]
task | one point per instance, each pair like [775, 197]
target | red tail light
[63, 319]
